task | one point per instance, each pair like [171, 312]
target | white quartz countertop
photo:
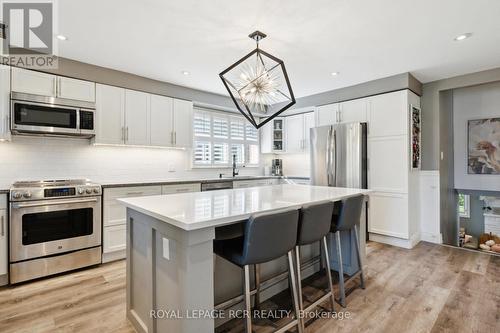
[198, 210]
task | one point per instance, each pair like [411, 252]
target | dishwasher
[229, 231]
[219, 185]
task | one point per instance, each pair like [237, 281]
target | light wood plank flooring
[430, 288]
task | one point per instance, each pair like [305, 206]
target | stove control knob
[81, 191]
[96, 190]
[27, 195]
[17, 195]
[88, 191]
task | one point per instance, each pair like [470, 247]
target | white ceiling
[361, 39]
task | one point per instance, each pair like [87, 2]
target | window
[218, 136]
[463, 205]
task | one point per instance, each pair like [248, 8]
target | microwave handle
[52, 203]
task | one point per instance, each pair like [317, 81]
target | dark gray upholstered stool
[268, 236]
[314, 225]
[347, 220]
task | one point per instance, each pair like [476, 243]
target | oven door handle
[52, 203]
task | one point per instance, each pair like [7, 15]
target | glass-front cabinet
[273, 136]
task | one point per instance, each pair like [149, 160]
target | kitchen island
[170, 261]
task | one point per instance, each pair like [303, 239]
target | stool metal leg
[299, 284]
[341, 270]
[257, 285]
[248, 304]
[328, 271]
[294, 292]
[362, 275]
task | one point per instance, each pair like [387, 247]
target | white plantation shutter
[202, 152]
[201, 124]
[253, 154]
[251, 133]
[220, 127]
[237, 149]
[237, 129]
[220, 153]
[219, 135]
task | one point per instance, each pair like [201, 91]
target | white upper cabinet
[294, 133]
[183, 123]
[309, 122]
[388, 115]
[75, 89]
[110, 112]
[137, 118]
[31, 82]
[37, 83]
[327, 114]
[297, 132]
[162, 109]
[4, 102]
[353, 111]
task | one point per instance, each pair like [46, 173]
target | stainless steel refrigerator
[338, 158]
[338, 155]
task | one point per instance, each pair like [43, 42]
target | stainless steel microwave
[43, 115]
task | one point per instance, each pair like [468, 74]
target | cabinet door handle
[54, 90]
[126, 134]
[175, 138]
[135, 193]
[123, 133]
[3, 226]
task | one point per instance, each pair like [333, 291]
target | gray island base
[170, 260]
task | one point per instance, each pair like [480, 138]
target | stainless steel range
[55, 226]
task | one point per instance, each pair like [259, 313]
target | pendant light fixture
[258, 85]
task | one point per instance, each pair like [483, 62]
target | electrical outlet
[166, 248]
[171, 168]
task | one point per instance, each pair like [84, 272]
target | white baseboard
[113, 256]
[431, 238]
[394, 241]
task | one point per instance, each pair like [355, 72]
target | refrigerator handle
[329, 157]
[334, 158]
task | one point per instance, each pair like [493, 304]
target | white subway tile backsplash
[30, 158]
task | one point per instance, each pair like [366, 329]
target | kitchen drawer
[182, 188]
[133, 191]
[114, 238]
[114, 212]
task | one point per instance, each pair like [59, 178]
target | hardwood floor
[430, 288]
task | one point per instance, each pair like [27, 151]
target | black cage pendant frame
[250, 117]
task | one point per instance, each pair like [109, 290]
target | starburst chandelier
[258, 85]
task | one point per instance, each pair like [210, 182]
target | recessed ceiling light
[462, 37]
[61, 37]
[335, 73]
[185, 73]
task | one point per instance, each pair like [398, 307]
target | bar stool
[347, 220]
[314, 225]
[267, 236]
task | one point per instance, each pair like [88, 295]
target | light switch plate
[171, 168]
[166, 248]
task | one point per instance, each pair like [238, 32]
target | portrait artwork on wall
[416, 134]
[484, 146]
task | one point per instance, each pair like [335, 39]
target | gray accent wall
[375, 87]
[431, 111]
[84, 71]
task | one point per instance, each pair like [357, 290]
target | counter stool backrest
[350, 213]
[314, 222]
[269, 236]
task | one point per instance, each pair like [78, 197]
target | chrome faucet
[235, 171]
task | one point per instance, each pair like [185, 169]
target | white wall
[32, 158]
[473, 103]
